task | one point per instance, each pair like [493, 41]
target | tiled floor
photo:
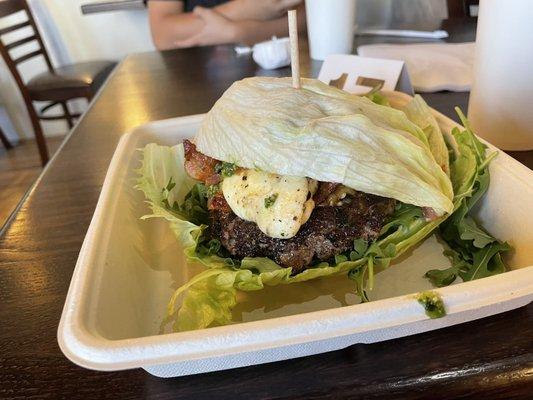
[19, 167]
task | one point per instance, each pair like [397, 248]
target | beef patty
[329, 231]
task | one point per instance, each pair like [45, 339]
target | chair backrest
[10, 7]
[457, 8]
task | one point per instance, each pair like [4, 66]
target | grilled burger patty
[340, 216]
[329, 231]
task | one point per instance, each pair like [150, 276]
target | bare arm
[251, 31]
[169, 23]
[171, 27]
[260, 10]
[218, 29]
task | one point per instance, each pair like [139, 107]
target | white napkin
[432, 66]
[272, 54]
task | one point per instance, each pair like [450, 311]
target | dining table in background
[490, 357]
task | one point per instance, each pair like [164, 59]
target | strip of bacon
[218, 202]
[213, 179]
[202, 168]
[429, 214]
[323, 192]
[198, 165]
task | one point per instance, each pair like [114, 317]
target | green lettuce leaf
[208, 298]
[165, 184]
[326, 134]
[377, 97]
[420, 114]
[211, 295]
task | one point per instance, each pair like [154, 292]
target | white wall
[105, 35]
[72, 37]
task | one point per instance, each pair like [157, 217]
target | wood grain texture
[19, 168]
[491, 358]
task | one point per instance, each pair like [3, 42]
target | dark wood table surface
[491, 357]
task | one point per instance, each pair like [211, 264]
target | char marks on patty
[329, 231]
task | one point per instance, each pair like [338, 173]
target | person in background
[189, 23]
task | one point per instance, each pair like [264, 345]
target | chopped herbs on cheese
[213, 190]
[226, 169]
[270, 200]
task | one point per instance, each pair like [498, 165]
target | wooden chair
[56, 85]
[3, 139]
[460, 8]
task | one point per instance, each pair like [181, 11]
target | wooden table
[492, 357]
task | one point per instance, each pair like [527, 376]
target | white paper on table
[359, 75]
[432, 66]
[438, 34]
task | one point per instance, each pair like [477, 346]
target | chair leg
[39, 136]
[68, 115]
[3, 139]
[89, 96]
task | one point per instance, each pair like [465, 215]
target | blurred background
[82, 30]
[70, 37]
[85, 39]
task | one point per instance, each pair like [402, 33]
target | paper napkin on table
[432, 66]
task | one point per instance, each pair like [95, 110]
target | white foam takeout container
[127, 270]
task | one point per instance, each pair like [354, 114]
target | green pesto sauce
[226, 169]
[212, 190]
[432, 303]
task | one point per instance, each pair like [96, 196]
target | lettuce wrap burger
[284, 185]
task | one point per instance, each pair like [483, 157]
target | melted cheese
[288, 202]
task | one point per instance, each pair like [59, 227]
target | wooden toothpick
[295, 56]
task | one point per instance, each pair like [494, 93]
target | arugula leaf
[443, 277]
[483, 264]
[340, 258]
[403, 215]
[359, 249]
[194, 205]
[379, 256]
[474, 253]
[469, 230]
[358, 275]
